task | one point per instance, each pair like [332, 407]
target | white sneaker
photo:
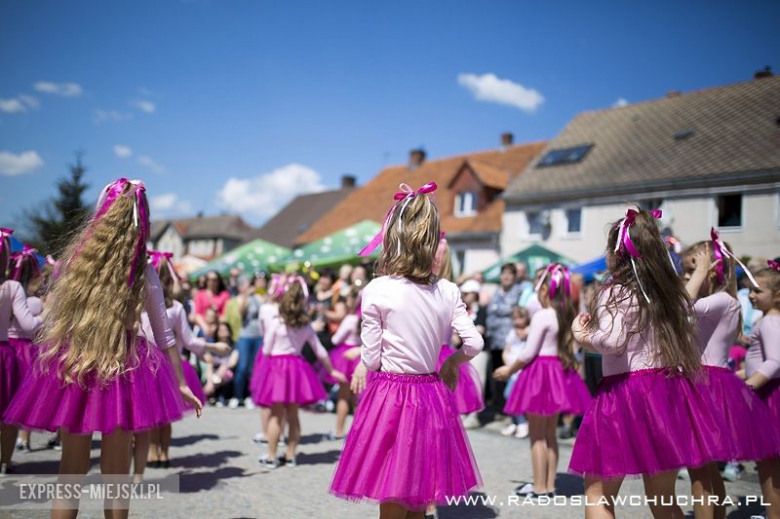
[233, 403]
[259, 438]
[509, 430]
[471, 422]
[267, 462]
[522, 430]
[684, 475]
[248, 404]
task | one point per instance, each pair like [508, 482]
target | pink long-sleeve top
[268, 312]
[177, 317]
[347, 332]
[542, 336]
[763, 355]
[717, 319]
[281, 339]
[14, 309]
[16, 331]
[405, 324]
[160, 332]
[619, 356]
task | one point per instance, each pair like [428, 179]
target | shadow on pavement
[200, 481]
[192, 439]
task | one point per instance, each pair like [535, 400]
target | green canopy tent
[340, 247]
[254, 256]
[534, 256]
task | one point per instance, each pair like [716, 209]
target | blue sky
[236, 105]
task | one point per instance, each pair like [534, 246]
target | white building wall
[171, 241]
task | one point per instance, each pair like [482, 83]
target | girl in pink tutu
[95, 373]
[549, 383]
[156, 443]
[287, 380]
[345, 357]
[762, 367]
[407, 448]
[15, 312]
[648, 417]
[711, 281]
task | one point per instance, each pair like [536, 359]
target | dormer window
[466, 203]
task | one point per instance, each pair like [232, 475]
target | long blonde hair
[84, 331]
[411, 240]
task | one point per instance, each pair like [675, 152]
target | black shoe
[153, 464]
[166, 464]
[526, 489]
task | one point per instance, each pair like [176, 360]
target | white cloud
[620, 102]
[145, 106]
[11, 106]
[491, 88]
[60, 89]
[102, 116]
[30, 101]
[170, 202]
[122, 151]
[12, 164]
[263, 196]
[150, 163]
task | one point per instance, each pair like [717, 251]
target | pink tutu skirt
[345, 366]
[647, 422]
[744, 417]
[257, 373]
[144, 397]
[9, 376]
[406, 445]
[287, 379]
[26, 353]
[468, 392]
[770, 395]
[545, 388]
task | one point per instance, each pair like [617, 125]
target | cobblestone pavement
[220, 477]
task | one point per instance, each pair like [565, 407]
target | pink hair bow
[406, 194]
[26, 254]
[624, 235]
[276, 287]
[295, 278]
[722, 253]
[560, 276]
[155, 258]
[774, 265]
[4, 233]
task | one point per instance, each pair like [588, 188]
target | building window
[561, 156]
[466, 203]
[729, 211]
[535, 223]
[574, 221]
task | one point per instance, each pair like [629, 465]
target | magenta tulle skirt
[345, 366]
[287, 379]
[744, 417]
[26, 353]
[193, 382]
[545, 388]
[406, 445]
[144, 397]
[647, 422]
[9, 376]
[770, 395]
[468, 392]
[257, 373]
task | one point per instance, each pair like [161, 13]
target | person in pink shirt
[648, 417]
[214, 296]
[14, 313]
[288, 380]
[762, 367]
[711, 281]
[549, 383]
[407, 448]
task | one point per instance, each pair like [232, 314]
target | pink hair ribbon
[276, 287]
[26, 254]
[559, 277]
[722, 253]
[624, 239]
[295, 278]
[405, 195]
[4, 233]
[774, 265]
[156, 257]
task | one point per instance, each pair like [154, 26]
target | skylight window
[565, 155]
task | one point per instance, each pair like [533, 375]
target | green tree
[51, 227]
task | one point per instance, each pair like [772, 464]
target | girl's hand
[352, 353]
[449, 374]
[338, 375]
[359, 379]
[189, 397]
[220, 348]
[578, 328]
[502, 374]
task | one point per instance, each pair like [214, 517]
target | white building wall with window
[689, 217]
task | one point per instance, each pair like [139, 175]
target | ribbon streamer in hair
[295, 278]
[406, 194]
[624, 239]
[774, 265]
[560, 276]
[156, 257]
[26, 254]
[722, 253]
[4, 233]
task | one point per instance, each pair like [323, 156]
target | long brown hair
[84, 331]
[5, 255]
[667, 313]
[563, 305]
[292, 307]
[410, 241]
[729, 283]
[166, 280]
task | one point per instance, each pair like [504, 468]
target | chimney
[765, 72]
[348, 181]
[416, 158]
[507, 139]
[673, 93]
